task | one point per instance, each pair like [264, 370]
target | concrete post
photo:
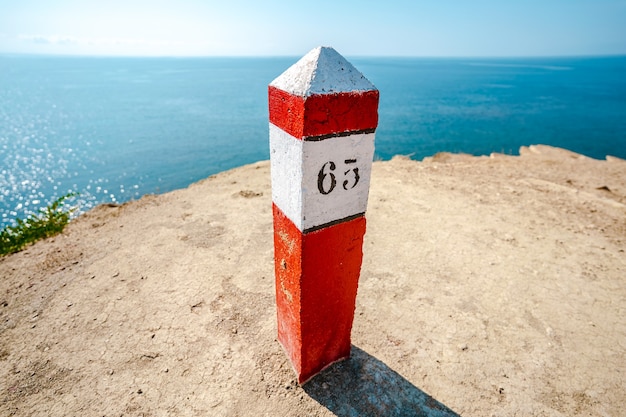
[323, 113]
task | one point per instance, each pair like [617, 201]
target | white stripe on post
[330, 182]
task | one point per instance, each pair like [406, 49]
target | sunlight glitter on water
[34, 169]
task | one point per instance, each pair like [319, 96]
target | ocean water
[114, 129]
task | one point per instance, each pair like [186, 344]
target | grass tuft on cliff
[50, 221]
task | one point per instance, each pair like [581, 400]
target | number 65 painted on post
[327, 172]
[316, 182]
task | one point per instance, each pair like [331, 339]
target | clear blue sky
[292, 27]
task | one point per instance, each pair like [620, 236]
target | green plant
[50, 221]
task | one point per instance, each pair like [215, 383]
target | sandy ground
[491, 286]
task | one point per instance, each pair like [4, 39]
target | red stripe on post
[286, 111]
[315, 294]
[323, 114]
[344, 112]
[288, 270]
[329, 287]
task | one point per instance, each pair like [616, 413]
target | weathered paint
[317, 275]
[323, 114]
[321, 71]
[288, 272]
[322, 94]
[297, 167]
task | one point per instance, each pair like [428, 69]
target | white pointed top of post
[322, 71]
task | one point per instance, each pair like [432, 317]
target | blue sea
[114, 129]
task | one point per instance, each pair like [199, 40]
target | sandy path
[490, 287]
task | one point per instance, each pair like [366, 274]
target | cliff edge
[491, 286]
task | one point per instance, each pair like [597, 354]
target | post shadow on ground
[365, 386]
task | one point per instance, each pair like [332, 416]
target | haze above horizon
[451, 28]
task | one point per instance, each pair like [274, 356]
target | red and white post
[323, 113]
